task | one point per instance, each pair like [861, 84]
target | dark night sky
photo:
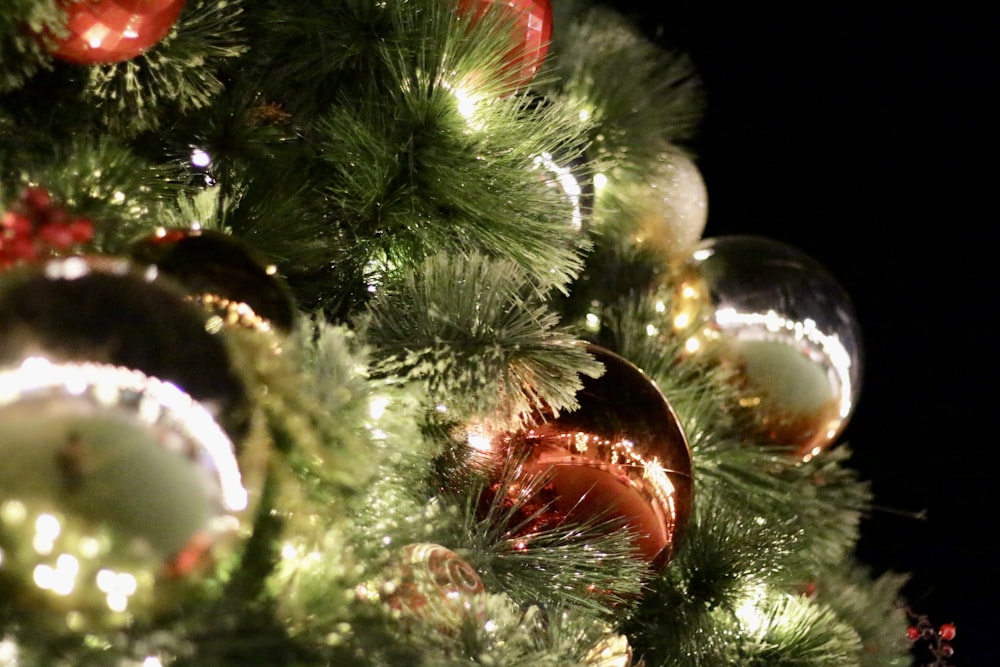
[865, 138]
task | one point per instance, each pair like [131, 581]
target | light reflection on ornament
[106, 503]
[563, 178]
[785, 328]
[621, 457]
[110, 31]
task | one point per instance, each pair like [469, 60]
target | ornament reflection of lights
[81, 544]
[786, 328]
[561, 177]
[156, 404]
[819, 347]
[620, 458]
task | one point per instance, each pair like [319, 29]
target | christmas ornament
[613, 650]
[532, 33]
[621, 459]
[36, 226]
[224, 274]
[108, 310]
[432, 583]
[784, 327]
[673, 207]
[119, 493]
[108, 31]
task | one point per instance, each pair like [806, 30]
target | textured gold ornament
[673, 207]
[784, 328]
[431, 583]
[621, 459]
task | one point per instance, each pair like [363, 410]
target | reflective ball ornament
[620, 460]
[131, 475]
[110, 31]
[429, 582]
[102, 309]
[223, 273]
[119, 495]
[532, 33]
[786, 331]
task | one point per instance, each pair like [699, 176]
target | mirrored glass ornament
[785, 330]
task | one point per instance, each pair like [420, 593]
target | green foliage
[381, 156]
[479, 333]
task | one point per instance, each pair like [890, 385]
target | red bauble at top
[534, 31]
[109, 31]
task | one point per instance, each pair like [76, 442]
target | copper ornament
[621, 459]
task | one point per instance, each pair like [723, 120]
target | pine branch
[22, 53]
[479, 334]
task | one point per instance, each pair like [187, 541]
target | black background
[863, 134]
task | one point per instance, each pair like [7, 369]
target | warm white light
[200, 158]
[47, 529]
[377, 406]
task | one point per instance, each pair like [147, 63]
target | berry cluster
[935, 641]
[37, 226]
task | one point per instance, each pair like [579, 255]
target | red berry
[37, 199]
[947, 651]
[913, 633]
[55, 236]
[16, 224]
[81, 229]
[947, 631]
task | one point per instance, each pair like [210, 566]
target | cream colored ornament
[672, 207]
[612, 650]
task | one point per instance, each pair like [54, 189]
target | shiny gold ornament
[224, 274]
[786, 330]
[109, 310]
[620, 460]
[120, 495]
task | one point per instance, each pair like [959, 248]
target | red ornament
[109, 31]
[947, 631]
[621, 459]
[534, 31]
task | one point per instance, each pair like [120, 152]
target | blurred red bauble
[621, 460]
[102, 32]
[532, 34]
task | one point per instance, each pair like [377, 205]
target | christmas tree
[337, 332]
